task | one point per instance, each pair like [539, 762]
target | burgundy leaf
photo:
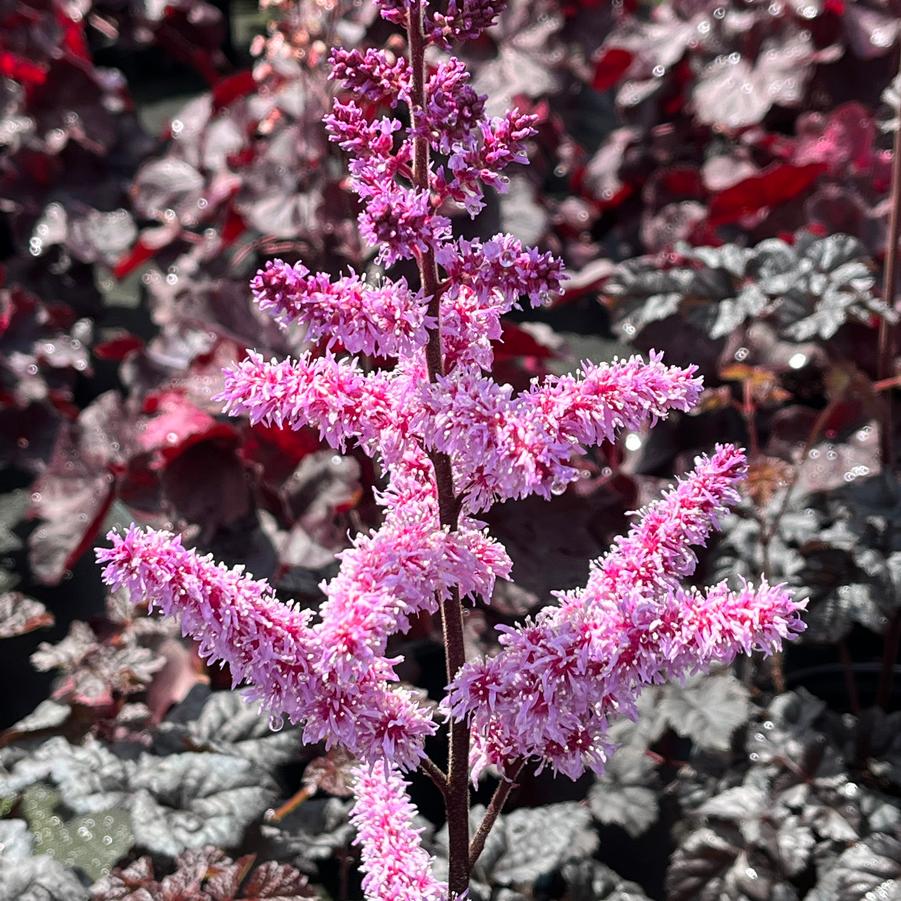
[771, 187]
[175, 424]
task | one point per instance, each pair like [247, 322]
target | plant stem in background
[886, 370]
[886, 329]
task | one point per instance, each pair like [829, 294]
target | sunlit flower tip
[333, 395]
[234, 618]
[464, 20]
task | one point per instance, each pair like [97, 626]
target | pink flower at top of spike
[464, 20]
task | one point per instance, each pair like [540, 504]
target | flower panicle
[560, 678]
[371, 380]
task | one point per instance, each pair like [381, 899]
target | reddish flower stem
[456, 796]
[495, 806]
[886, 329]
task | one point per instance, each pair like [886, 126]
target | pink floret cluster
[425, 403]
[385, 320]
[504, 445]
[395, 866]
[558, 680]
[272, 647]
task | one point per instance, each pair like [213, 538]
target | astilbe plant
[451, 442]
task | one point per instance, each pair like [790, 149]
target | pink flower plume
[549, 693]
[395, 865]
[386, 321]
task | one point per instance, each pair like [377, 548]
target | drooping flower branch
[272, 647]
[451, 442]
[395, 866]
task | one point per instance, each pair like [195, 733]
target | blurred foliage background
[718, 176]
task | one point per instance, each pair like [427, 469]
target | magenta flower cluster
[395, 864]
[550, 693]
[451, 442]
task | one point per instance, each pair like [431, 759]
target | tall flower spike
[451, 441]
[395, 866]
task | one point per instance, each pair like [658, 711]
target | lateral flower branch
[451, 442]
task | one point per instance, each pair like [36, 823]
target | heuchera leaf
[228, 724]
[869, 869]
[610, 67]
[39, 877]
[707, 709]
[76, 490]
[93, 672]
[20, 614]
[175, 424]
[205, 875]
[624, 795]
[530, 842]
[89, 843]
[191, 800]
[773, 186]
[714, 863]
[590, 880]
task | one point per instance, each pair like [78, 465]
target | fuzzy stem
[457, 793]
[435, 773]
[495, 806]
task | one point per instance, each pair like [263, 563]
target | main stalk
[457, 795]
